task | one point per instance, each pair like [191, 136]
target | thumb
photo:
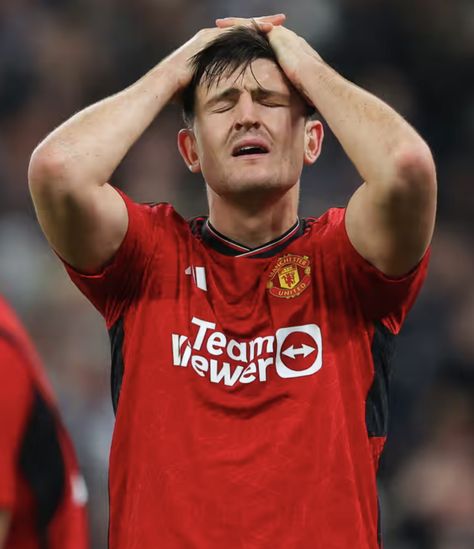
[265, 27]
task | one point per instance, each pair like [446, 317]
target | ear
[313, 140]
[188, 149]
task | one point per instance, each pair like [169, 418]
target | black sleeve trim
[377, 405]
[116, 335]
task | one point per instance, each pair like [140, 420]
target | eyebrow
[257, 93]
[229, 93]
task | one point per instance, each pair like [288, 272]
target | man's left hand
[293, 53]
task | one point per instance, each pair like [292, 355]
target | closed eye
[271, 104]
[224, 108]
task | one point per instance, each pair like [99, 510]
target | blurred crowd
[57, 56]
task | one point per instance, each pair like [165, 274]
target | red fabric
[22, 375]
[274, 454]
[15, 400]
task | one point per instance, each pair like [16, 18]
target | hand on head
[264, 23]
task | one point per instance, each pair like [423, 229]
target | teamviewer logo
[299, 351]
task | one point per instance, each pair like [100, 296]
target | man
[250, 349]
[42, 494]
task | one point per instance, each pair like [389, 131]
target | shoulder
[14, 360]
[153, 214]
[18, 356]
[331, 217]
[329, 223]
[7, 316]
[12, 333]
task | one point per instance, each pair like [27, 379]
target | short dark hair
[235, 49]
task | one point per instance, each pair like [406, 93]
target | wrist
[173, 72]
[295, 56]
[156, 88]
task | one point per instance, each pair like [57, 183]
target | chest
[238, 321]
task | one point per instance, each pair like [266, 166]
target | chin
[250, 180]
[255, 186]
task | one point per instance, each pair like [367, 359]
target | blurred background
[57, 56]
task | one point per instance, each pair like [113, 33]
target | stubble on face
[249, 131]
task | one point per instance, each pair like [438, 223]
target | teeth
[250, 148]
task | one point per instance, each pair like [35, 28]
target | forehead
[260, 73]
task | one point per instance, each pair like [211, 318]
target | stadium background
[57, 56]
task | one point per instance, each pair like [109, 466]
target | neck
[255, 221]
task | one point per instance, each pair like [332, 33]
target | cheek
[211, 146]
[292, 141]
[208, 154]
[290, 127]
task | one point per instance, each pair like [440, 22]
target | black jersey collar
[227, 246]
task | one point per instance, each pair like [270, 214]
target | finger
[277, 19]
[264, 27]
[261, 26]
[276, 16]
[271, 17]
[225, 22]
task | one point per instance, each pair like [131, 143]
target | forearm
[380, 143]
[89, 146]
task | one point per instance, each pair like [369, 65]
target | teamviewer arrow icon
[310, 333]
[293, 352]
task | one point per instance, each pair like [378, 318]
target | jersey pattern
[40, 485]
[250, 386]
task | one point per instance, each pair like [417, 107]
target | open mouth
[249, 150]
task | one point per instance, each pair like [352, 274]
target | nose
[246, 113]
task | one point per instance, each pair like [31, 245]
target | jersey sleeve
[380, 297]
[120, 282]
[15, 401]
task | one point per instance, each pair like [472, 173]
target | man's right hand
[83, 217]
[177, 63]
[179, 59]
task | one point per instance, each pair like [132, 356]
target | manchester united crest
[289, 276]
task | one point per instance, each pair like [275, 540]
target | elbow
[414, 165]
[46, 166]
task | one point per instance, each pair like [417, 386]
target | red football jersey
[40, 485]
[250, 386]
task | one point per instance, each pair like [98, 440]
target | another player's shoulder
[15, 348]
[19, 360]
[9, 324]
